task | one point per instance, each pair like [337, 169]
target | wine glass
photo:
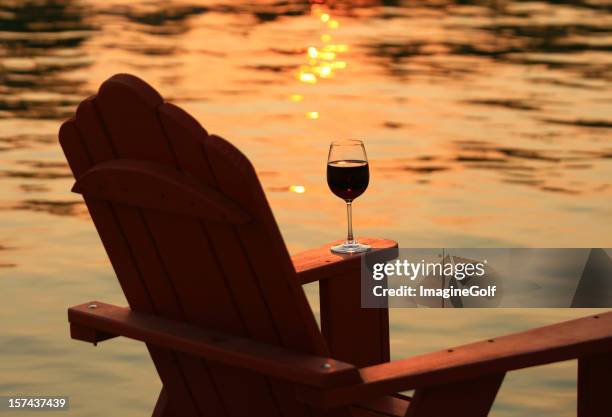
[348, 176]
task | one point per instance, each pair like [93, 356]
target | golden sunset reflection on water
[298, 189]
[322, 59]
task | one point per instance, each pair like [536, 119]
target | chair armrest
[106, 321]
[320, 263]
[555, 343]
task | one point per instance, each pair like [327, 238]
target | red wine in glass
[348, 176]
[348, 179]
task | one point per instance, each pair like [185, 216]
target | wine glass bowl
[348, 179]
[348, 176]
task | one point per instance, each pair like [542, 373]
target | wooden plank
[257, 396]
[265, 249]
[108, 218]
[554, 343]
[150, 185]
[174, 371]
[92, 132]
[76, 154]
[472, 398]
[245, 353]
[200, 284]
[594, 381]
[128, 108]
[81, 157]
[320, 263]
[345, 325]
[125, 104]
[166, 300]
[187, 141]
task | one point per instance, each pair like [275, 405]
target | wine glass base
[350, 248]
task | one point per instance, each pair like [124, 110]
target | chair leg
[594, 378]
[472, 397]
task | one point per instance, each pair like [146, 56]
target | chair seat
[391, 406]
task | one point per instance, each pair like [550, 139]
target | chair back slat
[223, 266]
[130, 277]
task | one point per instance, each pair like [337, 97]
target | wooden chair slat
[168, 370]
[138, 110]
[176, 374]
[127, 107]
[150, 185]
[197, 284]
[265, 249]
[257, 394]
[77, 155]
[178, 380]
[81, 158]
[159, 287]
[93, 135]
[166, 300]
[188, 137]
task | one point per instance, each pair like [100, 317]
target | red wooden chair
[219, 302]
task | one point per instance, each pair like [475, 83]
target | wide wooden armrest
[558, 342]
[320, 263]
[96, 321]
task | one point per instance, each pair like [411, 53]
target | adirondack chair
[217, 299]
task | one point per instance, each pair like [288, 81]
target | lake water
[487, 123]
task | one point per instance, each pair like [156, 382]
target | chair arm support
[320, 263]
[555, 343]
[343, 322]
[105, 321]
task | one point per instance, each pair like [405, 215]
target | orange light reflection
[322, 60]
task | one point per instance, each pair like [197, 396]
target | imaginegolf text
[406, 291]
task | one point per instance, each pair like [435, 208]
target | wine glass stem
[349, 216]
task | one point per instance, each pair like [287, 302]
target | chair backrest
[191, 237]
